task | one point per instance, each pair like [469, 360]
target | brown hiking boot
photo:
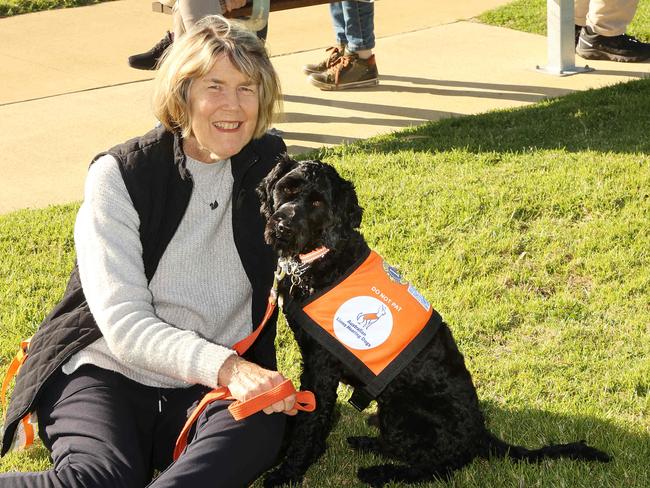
[335, 53]
[349, 71]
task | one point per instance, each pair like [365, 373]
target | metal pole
[560, 39]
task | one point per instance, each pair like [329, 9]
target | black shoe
[576, 33]
[149, 60]
[615, 48]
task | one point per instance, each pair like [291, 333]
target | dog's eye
[317, 203]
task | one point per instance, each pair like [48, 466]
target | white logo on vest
[363, 323]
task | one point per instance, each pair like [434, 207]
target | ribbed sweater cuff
[208, 362]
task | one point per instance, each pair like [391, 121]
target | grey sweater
[176, 330]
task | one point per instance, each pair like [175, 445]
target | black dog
[429, 416]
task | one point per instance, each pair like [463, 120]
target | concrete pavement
[69, 94]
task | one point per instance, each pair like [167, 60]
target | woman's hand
[246, 380]
[233, 4]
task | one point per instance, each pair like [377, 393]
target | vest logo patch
[394, 275]
[363, 322]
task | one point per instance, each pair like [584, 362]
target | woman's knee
[99, 469]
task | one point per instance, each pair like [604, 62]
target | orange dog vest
[372, 320]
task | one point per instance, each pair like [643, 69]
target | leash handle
[305, 401]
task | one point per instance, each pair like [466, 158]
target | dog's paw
[363, 443]
[372, 420]
[373, 476]
[279, 478]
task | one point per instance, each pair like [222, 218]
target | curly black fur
[428, 417]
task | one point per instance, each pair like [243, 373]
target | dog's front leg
[309, 434]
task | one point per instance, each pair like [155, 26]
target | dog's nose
[283, 227]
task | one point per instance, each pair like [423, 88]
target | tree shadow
[598, 120]
[417, 114]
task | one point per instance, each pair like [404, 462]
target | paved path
[67, 92]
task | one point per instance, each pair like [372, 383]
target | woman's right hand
[246, 380]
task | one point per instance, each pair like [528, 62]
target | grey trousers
[189, 12]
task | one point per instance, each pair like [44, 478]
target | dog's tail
[574, 450]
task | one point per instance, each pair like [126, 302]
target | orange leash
[15, 365]
[305, 400]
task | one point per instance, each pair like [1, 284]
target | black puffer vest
[153, 169]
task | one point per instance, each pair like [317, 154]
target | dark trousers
[104, 430]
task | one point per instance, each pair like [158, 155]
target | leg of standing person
[603, 35]
[336, 51]
[580, 9]
[185, 14]
[357, 68]
[189, 12]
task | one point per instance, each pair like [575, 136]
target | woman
[172, 270]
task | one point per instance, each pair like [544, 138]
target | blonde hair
[192, 57]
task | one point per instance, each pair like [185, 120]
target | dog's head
[306, 205]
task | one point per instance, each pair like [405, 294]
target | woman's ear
[265, 188]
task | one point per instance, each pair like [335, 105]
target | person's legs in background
[354, 27]
[580, 9]
[185, 14]
[602, 36]
[334, 52]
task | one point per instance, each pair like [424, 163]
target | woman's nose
[230, 99]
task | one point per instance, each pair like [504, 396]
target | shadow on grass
[611, 119]
[531, 428]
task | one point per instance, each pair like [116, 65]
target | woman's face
[224, 105]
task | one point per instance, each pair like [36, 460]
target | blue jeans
[354, 24]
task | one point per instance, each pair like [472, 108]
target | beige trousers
[189, 12]
[605, 17]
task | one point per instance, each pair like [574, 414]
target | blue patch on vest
[418, 296]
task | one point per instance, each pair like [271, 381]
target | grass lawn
[527, 229]
[17, 7]
[530, 16]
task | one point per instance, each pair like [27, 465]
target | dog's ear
[265, 188]
[349, 204]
